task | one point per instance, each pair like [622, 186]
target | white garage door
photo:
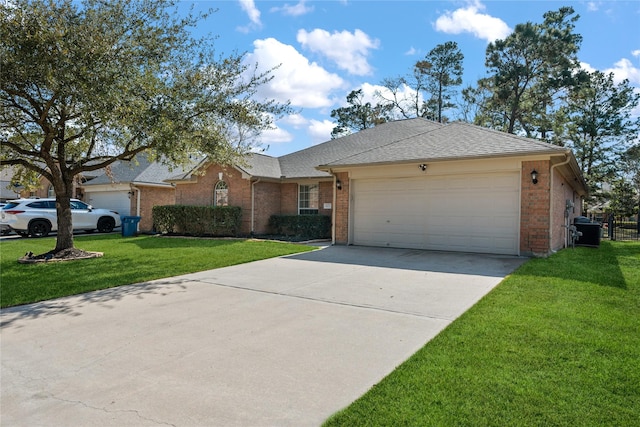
[470, 213]
[114, 200]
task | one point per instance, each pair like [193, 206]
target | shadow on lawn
[72, 305]
[600, 266]
[165, 241]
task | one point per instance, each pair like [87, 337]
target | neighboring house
[409, 184]
[132, 188]
[7, 190]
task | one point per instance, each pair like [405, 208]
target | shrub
[197, 220]
[302, 226]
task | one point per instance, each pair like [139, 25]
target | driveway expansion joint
[328, 301]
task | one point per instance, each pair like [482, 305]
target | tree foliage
[599, 125]
[624, 201]
[359, 115]
[84, 84]
[529, 69]
[443, 74]
[428, 90]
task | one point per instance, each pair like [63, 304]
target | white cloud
[624, 69]
[587, 67]
[593, 6]
[277, 135]
[469, 20]
[320, 131]
[412, 51]
[297, 9]
[349, 51]
[635, 52]
[252, 12]
[305, 84]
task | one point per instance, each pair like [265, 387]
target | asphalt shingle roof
[141, 171]
[443, 142]
[399, 141]
[303, 163]
[261, 165]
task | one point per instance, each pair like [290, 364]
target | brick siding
[342, 210]
[535, 203]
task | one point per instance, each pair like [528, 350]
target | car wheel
[106, 225]
[39, 228]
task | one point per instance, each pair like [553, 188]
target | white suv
[37, 217]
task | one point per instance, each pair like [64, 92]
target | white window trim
[215, 193]
[317, 201]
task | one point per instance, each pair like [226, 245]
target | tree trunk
[65, 226]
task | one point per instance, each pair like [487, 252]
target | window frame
[220, 187]
[306, 204]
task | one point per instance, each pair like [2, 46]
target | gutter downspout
[137, 190]
[566, 228]
[253, 210]
[333, 211]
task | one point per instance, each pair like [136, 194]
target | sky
[326, 49]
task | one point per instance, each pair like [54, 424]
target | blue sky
[329, 48]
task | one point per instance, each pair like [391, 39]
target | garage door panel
[114, 200]
[473, 213]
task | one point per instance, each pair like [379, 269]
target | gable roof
[400, 141]
[450, 141]
[304, 163]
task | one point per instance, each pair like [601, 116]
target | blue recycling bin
[129, 225]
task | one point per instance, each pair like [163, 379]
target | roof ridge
[509, 135]
[440, 126]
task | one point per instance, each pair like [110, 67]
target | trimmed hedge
[302, 226]
[197, 220]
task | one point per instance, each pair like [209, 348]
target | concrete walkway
[280, 342]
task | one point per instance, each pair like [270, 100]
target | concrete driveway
[280, 342]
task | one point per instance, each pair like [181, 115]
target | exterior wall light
[339, 185]
[534, 176]
[422, 166]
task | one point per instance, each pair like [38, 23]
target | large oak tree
[86, 83]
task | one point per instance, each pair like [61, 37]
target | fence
[617, 228]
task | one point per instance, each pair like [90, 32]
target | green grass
[557, 343]
[125, 261]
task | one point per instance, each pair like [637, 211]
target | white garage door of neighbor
[469, 213]
[114, 200]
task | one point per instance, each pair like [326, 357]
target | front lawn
[557, 343]
[125, 261]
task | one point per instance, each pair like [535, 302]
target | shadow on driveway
[418, 260]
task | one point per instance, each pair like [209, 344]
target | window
[79, 205]
[221, 194]
[51, 192]
[308, 199]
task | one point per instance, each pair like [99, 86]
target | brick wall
[562, 191]
[150, 197]
[534, 209]
[200, 192]
[342, 210]
[267, 203]
[289, 199]
[325, 195]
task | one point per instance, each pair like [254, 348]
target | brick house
[410, 183]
